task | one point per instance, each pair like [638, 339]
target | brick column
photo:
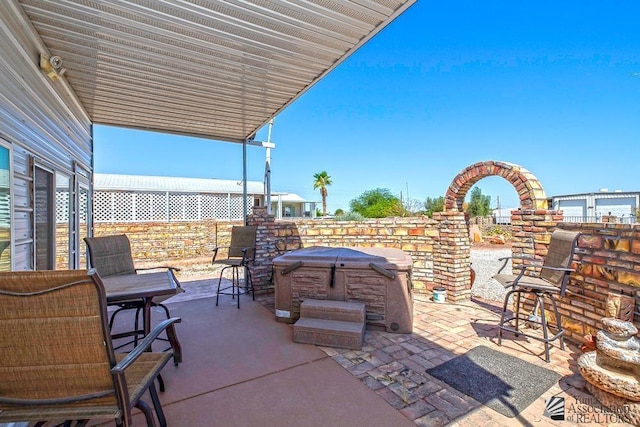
[265, 247]
[451, 266]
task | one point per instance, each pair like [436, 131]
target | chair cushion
[526, 282]
[140, 374]
[505, 280]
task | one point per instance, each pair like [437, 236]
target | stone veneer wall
[608, 258]
[180, 244]
[607, 261]
[439, 247]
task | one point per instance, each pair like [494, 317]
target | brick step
[329, 333]
[333, 310]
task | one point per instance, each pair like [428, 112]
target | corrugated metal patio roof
[167, 183]
[218, 69]
[118, 182]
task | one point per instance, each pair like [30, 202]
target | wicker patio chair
[241, 255]
[552, 281]
[111, 256]
[57, 360]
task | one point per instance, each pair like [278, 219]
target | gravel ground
[486, 265]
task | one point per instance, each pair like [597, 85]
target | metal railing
[630, 219]
[599, 219]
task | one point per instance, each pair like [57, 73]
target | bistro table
[127, 287]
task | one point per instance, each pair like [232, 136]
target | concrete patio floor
[241, 368]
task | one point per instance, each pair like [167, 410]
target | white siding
[40, 119]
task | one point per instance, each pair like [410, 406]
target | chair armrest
[556, 268]
[168, 267]
[215, 252]
[517, 267]
[244, 254]
[504, 263]
[544, 267]
[143, 345]
[522, 268]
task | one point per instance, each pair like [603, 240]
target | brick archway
[529, 189]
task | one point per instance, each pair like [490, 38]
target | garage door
[573, 210]
[619, 207]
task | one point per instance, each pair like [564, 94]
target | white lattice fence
[235, 206]
[62, 206]
[121, 206]
[183, 207]
[151, 206]
[215, 206]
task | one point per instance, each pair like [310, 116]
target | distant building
[138, 198]
[503, 215]
[602, 206]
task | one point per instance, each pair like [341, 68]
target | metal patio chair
[57, 360]
[551, 282]
[241, 255]
[111, 256]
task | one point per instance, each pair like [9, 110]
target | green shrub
[349, 216]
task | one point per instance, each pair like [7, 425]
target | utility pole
[267, 170]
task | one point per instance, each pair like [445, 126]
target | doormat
[504, 383]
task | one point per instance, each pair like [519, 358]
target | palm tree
[322, 180]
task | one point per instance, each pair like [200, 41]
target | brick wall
[607, 261]
[186, 245]
[62, 246]
[415, 236]
[439, 247]
[608, 258]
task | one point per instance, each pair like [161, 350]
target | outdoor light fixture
[52, 66]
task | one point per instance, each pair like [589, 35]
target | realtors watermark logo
[586, 410]
[554, 408]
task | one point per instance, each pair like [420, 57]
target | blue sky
[551, 86]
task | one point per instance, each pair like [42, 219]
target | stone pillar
[265, 248]
[451, 259]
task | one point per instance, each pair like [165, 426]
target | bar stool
[242, 252]
[551, 282]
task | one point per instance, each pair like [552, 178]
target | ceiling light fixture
[52, 66]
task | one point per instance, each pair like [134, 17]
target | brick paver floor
[394, 366]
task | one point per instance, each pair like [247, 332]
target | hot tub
[378, 277]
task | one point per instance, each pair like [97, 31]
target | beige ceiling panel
[218, 69]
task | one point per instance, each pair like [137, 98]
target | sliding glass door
[44, 216]
[5, 209]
